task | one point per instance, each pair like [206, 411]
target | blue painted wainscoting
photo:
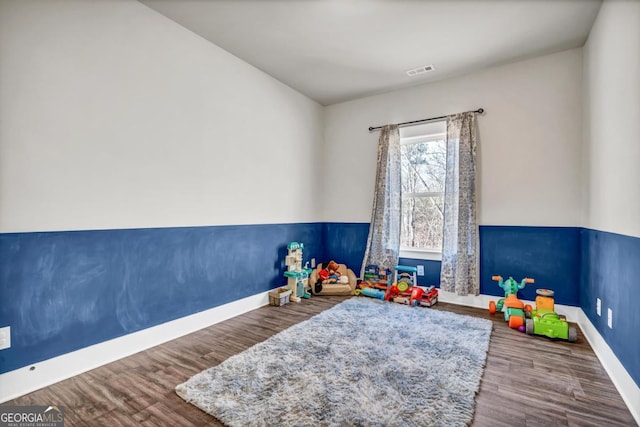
[345, 242]
[62, 291]
[611, 272]
[431, 270]
[550, 255]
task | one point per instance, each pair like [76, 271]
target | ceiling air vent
[419, 70]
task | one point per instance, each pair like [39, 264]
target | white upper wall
[113, 116]
[612, 119]
[529, 140]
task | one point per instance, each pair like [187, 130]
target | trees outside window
[423, 162]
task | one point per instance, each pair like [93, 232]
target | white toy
[297, 276]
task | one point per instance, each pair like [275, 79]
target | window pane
[423, 167]
[422, 222]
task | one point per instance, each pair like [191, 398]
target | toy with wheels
[416, 296]
[545, 321]
[405, 277]
[430, 296]
[375, 278]
[510, 305]
[405, 289]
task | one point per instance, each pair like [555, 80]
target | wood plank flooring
[528, 381]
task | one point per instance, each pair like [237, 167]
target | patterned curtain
[459, 271]
[383, 243]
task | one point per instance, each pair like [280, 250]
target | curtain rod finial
[480, 110]
[370, 128]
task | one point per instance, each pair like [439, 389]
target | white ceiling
[337, 50]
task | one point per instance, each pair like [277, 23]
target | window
[423, 165]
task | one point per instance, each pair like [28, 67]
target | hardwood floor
[528, 381]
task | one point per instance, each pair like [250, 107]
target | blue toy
[297, 276]
[373, 293]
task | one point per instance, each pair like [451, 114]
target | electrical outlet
[598, 307]
[5, 337]
[313, 263]
[610, 318]
[421, 270]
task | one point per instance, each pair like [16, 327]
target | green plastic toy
[510, 305]
[545, 321]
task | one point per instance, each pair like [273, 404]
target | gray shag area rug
[363, 362]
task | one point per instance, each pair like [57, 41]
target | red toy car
[429, 297]
[413, 296]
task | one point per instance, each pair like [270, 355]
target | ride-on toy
[405, 289]
[510, 305]
[545, 321]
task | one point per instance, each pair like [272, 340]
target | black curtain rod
[479, 111]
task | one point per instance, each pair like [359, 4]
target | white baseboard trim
[627, 388]
[25, 380]
[482, 301]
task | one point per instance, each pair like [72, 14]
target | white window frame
[422, 253]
